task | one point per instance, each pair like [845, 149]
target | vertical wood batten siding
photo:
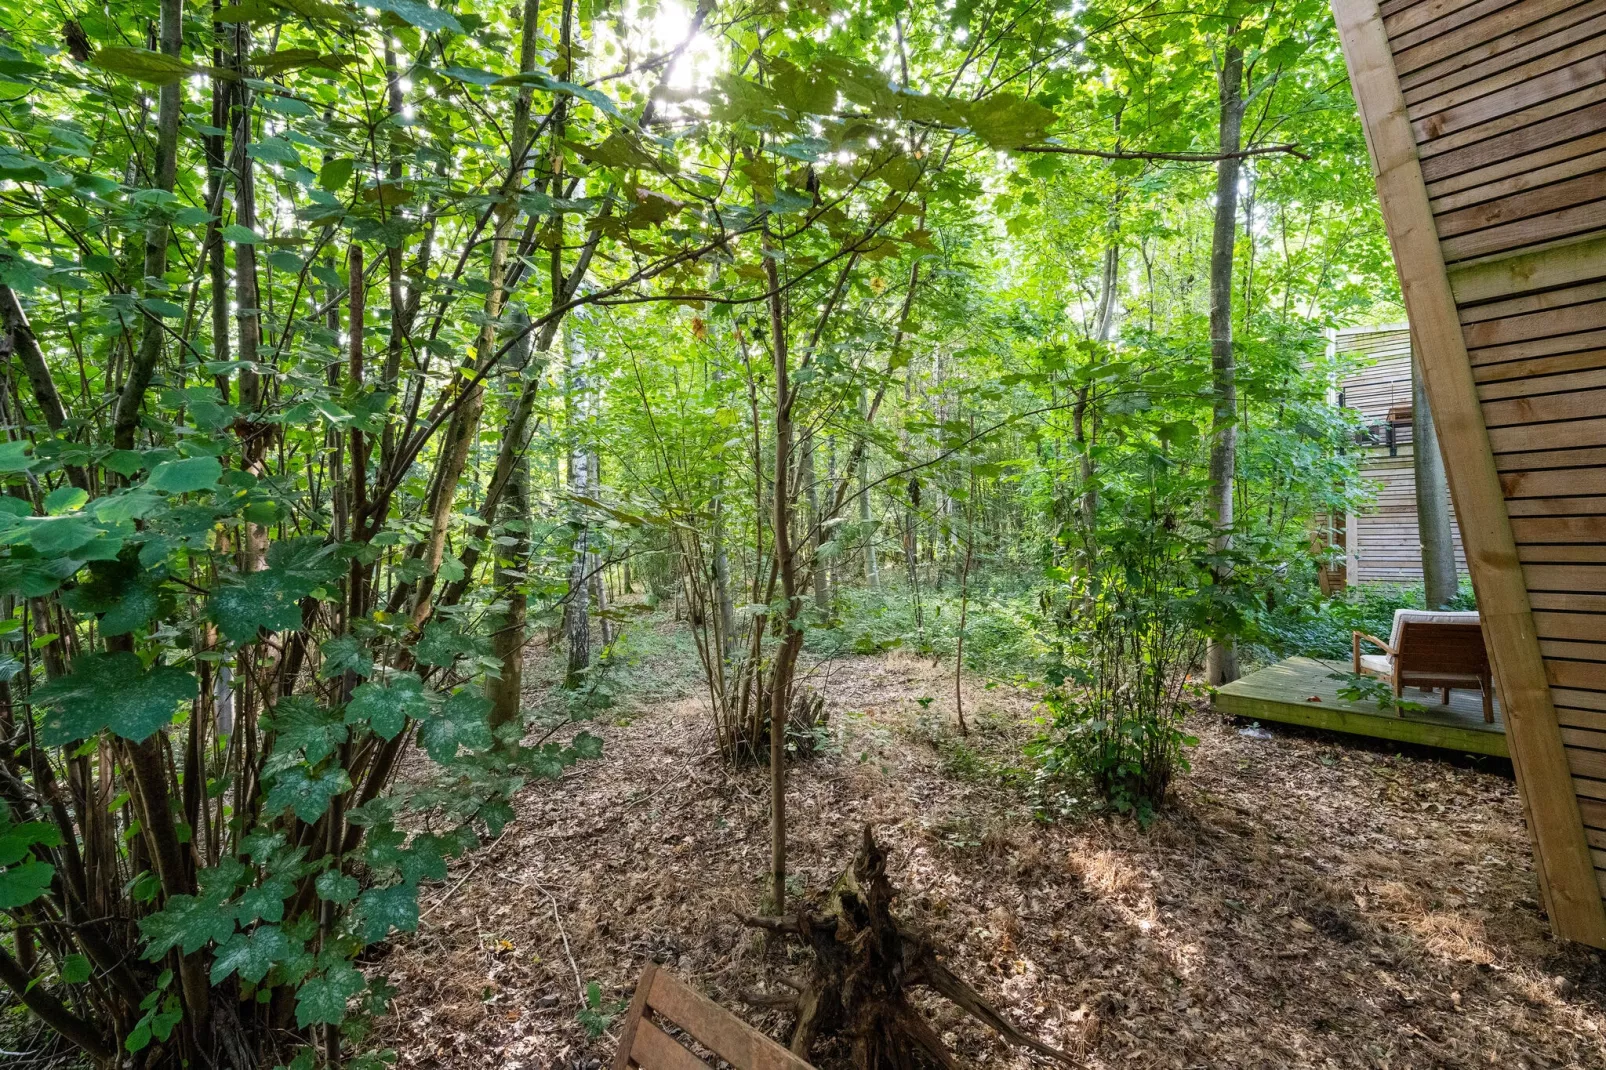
[1487, 124]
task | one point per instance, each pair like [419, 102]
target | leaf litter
[1305, 901]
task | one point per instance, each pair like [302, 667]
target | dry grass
[1304, 903]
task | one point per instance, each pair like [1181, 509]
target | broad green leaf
[259, 600]
[336, 173]
[22, 884]
[345, 653]
[265, 901]
[186, 923]
[385, 705]
[418, 13]
[14, 456]
[322, 997]
[442, 644]
[142, 65]
[15, 840]
[111, 691]
[65, 500]
[336, 887]
[308, 793]
[383, 909]
[239, 235]
[185, 476]
[1006, 121]
[460, 722]
[300, 724]
[75, 969]
[252, 954]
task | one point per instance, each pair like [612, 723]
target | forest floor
[1305, 900]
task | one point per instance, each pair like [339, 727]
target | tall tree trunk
[871, 574]
[1432, 497]
[815, 521]
[1221, 659]
[508, 577]
[577, 615]
[791, 636]
[126, 417]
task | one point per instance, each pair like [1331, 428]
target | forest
[498, 494]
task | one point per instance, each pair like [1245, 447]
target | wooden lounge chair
[646, 1045]
[1430, 650]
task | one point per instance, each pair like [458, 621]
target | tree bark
[125, 420]
[1439, 583]
[1221, 658]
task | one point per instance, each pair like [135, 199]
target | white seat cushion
[1381, 664]
[1429, 616]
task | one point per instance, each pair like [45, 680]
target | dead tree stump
[865, 961]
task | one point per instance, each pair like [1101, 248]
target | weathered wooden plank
[1553, 482]
[1429, 22]
[1523, 205]
[1588, 379]
[1506, 68]
[1579, 700]
[1515, 45]
[1567, 876]
[1541, 408]
[716, 1028]
[1504, 97]
[1578, 260]
[1588, 675]
[1568, 553]
[1557, 436]
[1466, 44]
[1590, 763]
[1544, 142]
[1581, 218]
[1541, 164]
[1565, 578]
[1542, 323]
[1564, 111]
[654, 1050]
[1560, 529]
[1532, 179]
[1535, 349]
[1491, 376]
[1398, 18]
[1590, 721]
[1577, 651]
[1580, 505]
[1575, 602]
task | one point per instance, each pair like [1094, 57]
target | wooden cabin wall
[1486, 121]
[1383, 543]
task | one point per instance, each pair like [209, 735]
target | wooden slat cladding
[1416, 49]
[1507, 64]
[1505, 94]
[1486, 120]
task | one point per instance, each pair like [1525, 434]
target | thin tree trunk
[126, 417]
[1432, 497]
[507, 639]
[577, 617]
[1221, 659]
[791, 637]
[871, 574]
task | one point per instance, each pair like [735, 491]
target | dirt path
[1304, 903]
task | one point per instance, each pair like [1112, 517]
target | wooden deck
[1284, 693]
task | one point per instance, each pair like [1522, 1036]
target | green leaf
[336, 887]
[14, 456]
[186, 923]
[462, 721]
[418, 13]
[75, 969]
[442, 644]
[335, 173]
[252, 954]
[382, 909]
[57, 535]
[385, 705]
[587, 745]
[274, 150]
[16, 840]
[20, 885]
[239, 235]
[65, 500]
[264, 901]
[321, 999]
[308, 793]
[345, 654]
[300, 724]
[258, 600]
[142, 65]
[186, 476]
[111, 691]
[1006, 121]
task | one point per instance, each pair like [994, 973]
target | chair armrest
[1355, 647]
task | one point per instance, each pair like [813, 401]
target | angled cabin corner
[1486, 122]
